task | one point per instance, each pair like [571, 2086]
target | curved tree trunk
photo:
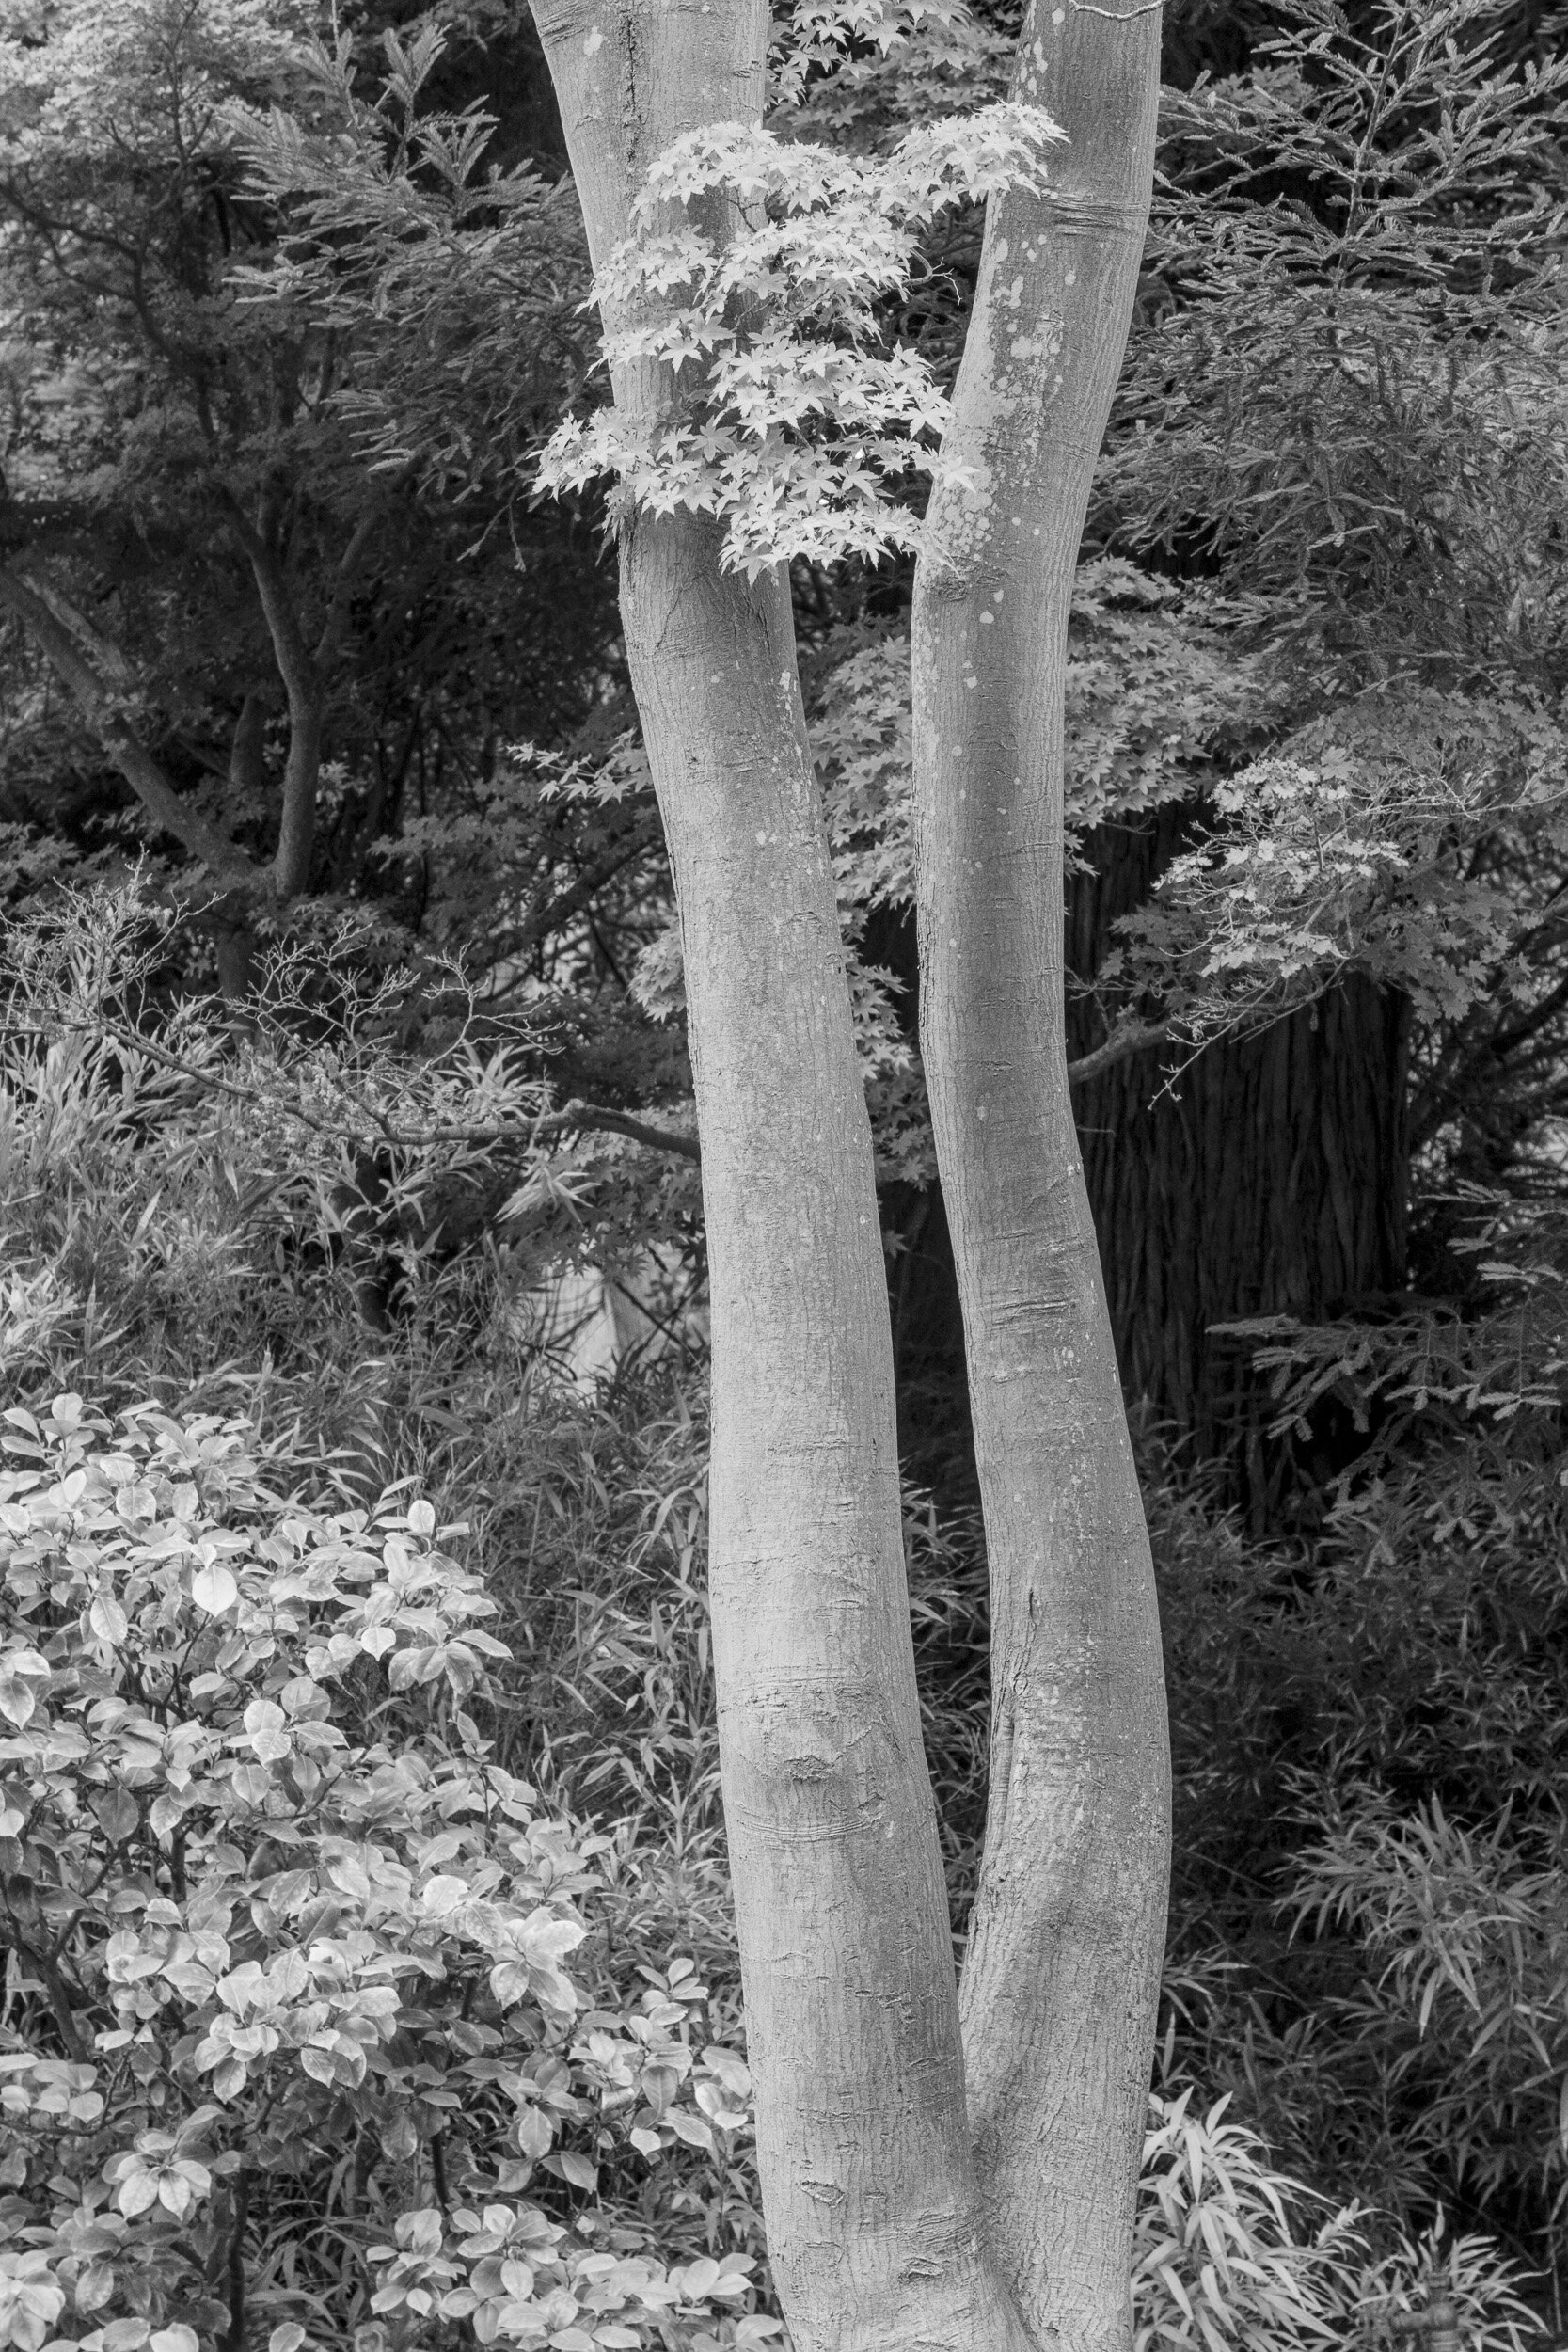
[1062, 1973]
[867, 2179]
[1270, 1177]
[95, 697]
[846, 1954]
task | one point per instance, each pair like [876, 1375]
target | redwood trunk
[1268, 1178]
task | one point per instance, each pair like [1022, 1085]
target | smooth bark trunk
[851, 2006]
[1062, 1972]
[1270, 1176]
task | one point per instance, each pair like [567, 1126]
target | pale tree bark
[845, 1953]
[1062, 1971]
[884, 2225]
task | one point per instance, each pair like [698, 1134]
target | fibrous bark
[1267, 1177]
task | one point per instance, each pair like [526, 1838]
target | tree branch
[234, 2262]
[642, 833]
[1120, 1045]
[576, 1115]
[247, 770]
[307, 697]
[590, 1115]
[337, 610]
[147, 780]
[113, 667]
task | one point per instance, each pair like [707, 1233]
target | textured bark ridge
[867, 2177]
[1062, 1972]
[1270, 1177]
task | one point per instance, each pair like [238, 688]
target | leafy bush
[1368, 1732]
[293, 2035]
[1229, 2251]
[313, 2111]
[191, 1198]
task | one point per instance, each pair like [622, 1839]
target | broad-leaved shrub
[307, 2021]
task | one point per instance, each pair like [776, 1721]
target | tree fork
[1062, 1972]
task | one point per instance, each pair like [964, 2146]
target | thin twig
[235, 2340]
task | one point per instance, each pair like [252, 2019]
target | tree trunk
[247, 764]
[1062, 1972]
[96, 700]
[1271, 1177]
[305, 689]
[235, 939]
[867, 2180]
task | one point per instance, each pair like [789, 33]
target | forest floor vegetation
[371, 1976]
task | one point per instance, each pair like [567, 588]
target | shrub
[1230, 2252]
[1368, 1734]
[1370, 1728]
[313, 2018]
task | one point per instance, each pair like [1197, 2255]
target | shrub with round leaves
[293, 2037]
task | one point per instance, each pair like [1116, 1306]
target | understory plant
[1368, 1726]
[322, 2023]
[316, 2015]
[345, 1670]
[1231, 2250]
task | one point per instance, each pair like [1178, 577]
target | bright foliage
[279, 1910]
[798, 415]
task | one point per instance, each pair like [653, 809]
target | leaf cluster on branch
[799, 417]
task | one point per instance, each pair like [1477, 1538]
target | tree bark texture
[867, 2178]
[1270, 1177]
[1062, 1972]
